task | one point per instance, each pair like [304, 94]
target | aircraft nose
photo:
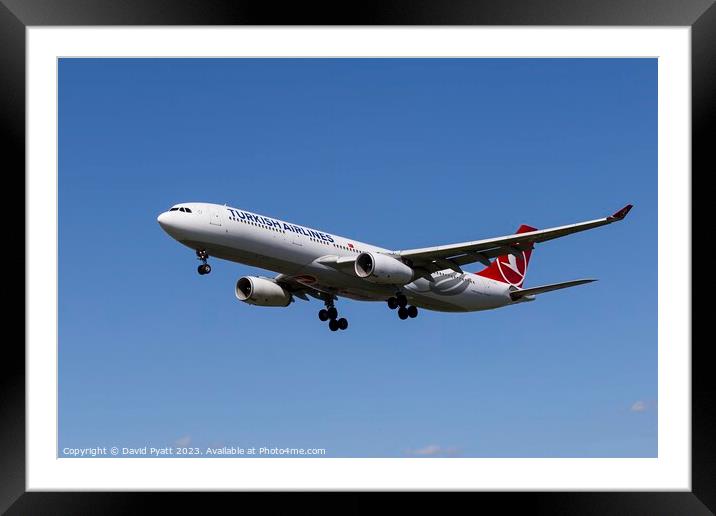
[163, 220]
[169, 223]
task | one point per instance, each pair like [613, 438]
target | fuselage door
[214, 216]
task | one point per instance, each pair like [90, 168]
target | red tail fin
[509, 268]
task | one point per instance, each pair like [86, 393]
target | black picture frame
[17, 15]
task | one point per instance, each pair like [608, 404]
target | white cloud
[434, 450]
[638, 406]
[183, 441]
[431, 449]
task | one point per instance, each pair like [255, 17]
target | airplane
[326, 266]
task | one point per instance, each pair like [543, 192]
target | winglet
[621, 213]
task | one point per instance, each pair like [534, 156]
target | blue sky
[400, 153]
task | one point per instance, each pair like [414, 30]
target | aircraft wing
[298, 289]
[341, 263]
[302, 286]
[453, 256]
[519, 294]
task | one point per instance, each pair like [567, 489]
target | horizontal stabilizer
[519, 294]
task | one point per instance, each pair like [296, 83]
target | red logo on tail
[510, 268]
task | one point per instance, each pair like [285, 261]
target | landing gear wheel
[332, 313]
[412, 311]
[343, 323]
[323, 315]
[392, 303]
[204, 268]
[403, 312]
[402, 300]
[334, 325]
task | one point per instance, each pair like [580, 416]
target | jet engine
[379, 268]
[261, 292]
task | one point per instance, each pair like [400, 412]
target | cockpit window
[187, 210]
[174, 209]
[182, 209]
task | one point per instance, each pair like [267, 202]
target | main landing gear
[330, 314]
[400, 302]
[204, 268]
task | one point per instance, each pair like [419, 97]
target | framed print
[138, 374]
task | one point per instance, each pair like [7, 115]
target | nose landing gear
[330, 314]
[204, 268]
[401, 303]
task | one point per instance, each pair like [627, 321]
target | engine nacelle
[261, 292]
[379, 268]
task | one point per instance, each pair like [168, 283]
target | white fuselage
[293, 250]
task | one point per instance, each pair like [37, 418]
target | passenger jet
[310, 262]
